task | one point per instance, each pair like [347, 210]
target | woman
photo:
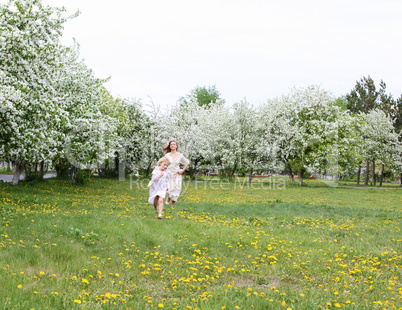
[174, 171]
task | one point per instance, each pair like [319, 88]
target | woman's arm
[181, 172]
[185, 162]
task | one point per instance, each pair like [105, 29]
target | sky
[255, 50]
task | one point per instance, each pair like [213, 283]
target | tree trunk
[17, 174]
[42, 169]
[73, 174]
[292, 175]
[195, 170]
[373, 173]
[250, 178]
[58, 170]
[116, 164]
[382, 174]
[358, 173]
[232, 172]
[302, 171]
[401, 179]
[148, 170]
[367, 173]
[121, 169]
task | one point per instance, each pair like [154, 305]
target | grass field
[223, 246]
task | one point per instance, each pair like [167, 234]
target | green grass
[265, 246]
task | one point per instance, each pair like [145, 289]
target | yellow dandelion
[77, 301]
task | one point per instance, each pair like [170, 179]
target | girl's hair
[167, 149]
[163, 160]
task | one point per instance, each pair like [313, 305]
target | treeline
[305, 131]
[55, 113]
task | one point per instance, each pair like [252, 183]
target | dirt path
[9, 177]
[359, 187]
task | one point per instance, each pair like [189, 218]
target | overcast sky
[250, 49]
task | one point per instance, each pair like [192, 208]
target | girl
[158, 185]
[175, 158]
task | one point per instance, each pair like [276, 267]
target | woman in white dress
[174, 171]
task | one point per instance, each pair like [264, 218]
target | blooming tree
[222, 129]
[300, 129]
[348, 144]
[52, 106]
[397, 160]
[30, 55]
[136, 144]
[380, 140]
[245, 139]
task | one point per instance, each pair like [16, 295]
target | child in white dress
[159, 185]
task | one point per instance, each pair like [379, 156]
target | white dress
[158, 186]
[174, 184]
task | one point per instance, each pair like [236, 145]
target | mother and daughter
[167, 178]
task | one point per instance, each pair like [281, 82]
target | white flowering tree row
[303, 131]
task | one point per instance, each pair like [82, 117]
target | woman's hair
[163, 160]
[167, 149]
